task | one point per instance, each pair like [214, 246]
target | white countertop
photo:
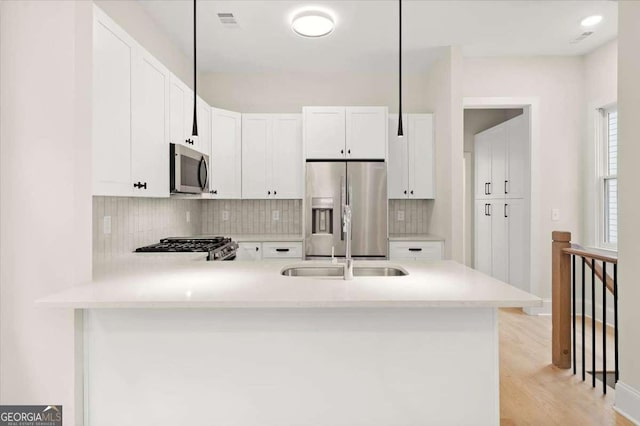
[188, 281]
[414, 237]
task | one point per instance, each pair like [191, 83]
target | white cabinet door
[518, 231]
[421, 152]
[178, 101]
[285, 151]
[483, 144]
[192, 142]
[249, 251]
[204, 127]
[366, 132]
[226, 154]
[149, 151]
[256, 135]
[517, 145]
[282, 250]
[324, 132]
[416, 250]
[498, 161]
[113, 63]
[482, 237]
[397, 165]
[499, 240]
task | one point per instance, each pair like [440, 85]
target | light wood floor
[533, 392]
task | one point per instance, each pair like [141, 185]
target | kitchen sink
[337, 271]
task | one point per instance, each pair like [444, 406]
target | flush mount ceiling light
[591, 21]
[312, 23]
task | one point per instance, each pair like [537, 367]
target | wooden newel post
[561, 300]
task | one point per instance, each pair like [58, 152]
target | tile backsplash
[226, 217]
[136, 222]
[417, 214]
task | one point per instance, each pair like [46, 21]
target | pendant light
[400, 128]
[194, 129]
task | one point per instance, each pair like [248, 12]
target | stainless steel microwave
[189, 170]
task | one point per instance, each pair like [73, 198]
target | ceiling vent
[228, 20]
[581, 37]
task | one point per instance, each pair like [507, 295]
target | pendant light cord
[194, 130]
[400, 127]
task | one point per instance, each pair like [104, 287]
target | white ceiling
[366, 33]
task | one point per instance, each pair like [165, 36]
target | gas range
[218, 248]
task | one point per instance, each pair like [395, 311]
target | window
[609, 178]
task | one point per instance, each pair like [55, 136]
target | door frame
[532, 106]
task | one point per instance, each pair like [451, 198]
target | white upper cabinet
[482, 149]
[226, 154]
[113, 68]
[345, 132]
[366, 129]
[182, 117]
[324, 132]
[149, 150]
[272, 156]
[203, 141]
[411, 166]
[517, 154]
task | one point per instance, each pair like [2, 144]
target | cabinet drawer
[249, 251]
[417, 250]
[286, 250]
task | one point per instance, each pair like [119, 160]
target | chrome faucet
[346, 229]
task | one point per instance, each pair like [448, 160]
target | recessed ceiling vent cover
[581, 37]
[228, 20]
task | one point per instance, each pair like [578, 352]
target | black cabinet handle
[412, 192]
[282, 250]
[257, 248]
[489, 209]
[215, 191]
[485, 209]
[274, 192]
[268, 192]
[505, 210]
[405, 192]
[485, 189]
[505, 187]
[348, 151]
[489, 186]
[140, 185]
[415, 249]
[342, 151]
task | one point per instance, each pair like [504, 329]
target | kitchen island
[184, 341]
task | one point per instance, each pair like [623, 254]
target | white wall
[558, 83]
[628, 392]
[45, 193]
[132, 17]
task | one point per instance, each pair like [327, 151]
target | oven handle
[203, 166]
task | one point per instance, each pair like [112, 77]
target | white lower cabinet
[269, 250]
[415, 250]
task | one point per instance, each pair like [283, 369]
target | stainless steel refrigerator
[364, 185]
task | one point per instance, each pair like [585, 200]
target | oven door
[189, 170]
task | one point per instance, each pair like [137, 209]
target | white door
[256, 134]
[285, 151]
[482, 149]
[226, 154]
[517, 154]
[324, 132]
[204, 127]
[421, 162]
[366, 129]
[482, 237]
[113, 59]
[178, 95]
[398, 163]
[150, 147]
[518, 231]
[499, 240]
[498, 161]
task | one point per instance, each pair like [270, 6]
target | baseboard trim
[545, 309]
[628, 402]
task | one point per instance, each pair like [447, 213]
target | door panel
[398, 171]
[226, 154]
[177, 103]
[366, 132]
[518, 154]
[421, 171]
[324, 132]
[518, 231]
[204, 127]
[499, 241]
[482, 237]
[286, 156]
[482, 149]
[256, 134]
[368, 200]
[498, 160]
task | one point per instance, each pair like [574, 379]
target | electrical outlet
[225, 215]
[400, 216]
[106, 225]
[555, 215]
[275, 215]
[188, 216]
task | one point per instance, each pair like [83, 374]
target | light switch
[225, 215]
[555, 215]
[400, 216]
[106, 225]
[275, 215]
[188, 216]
